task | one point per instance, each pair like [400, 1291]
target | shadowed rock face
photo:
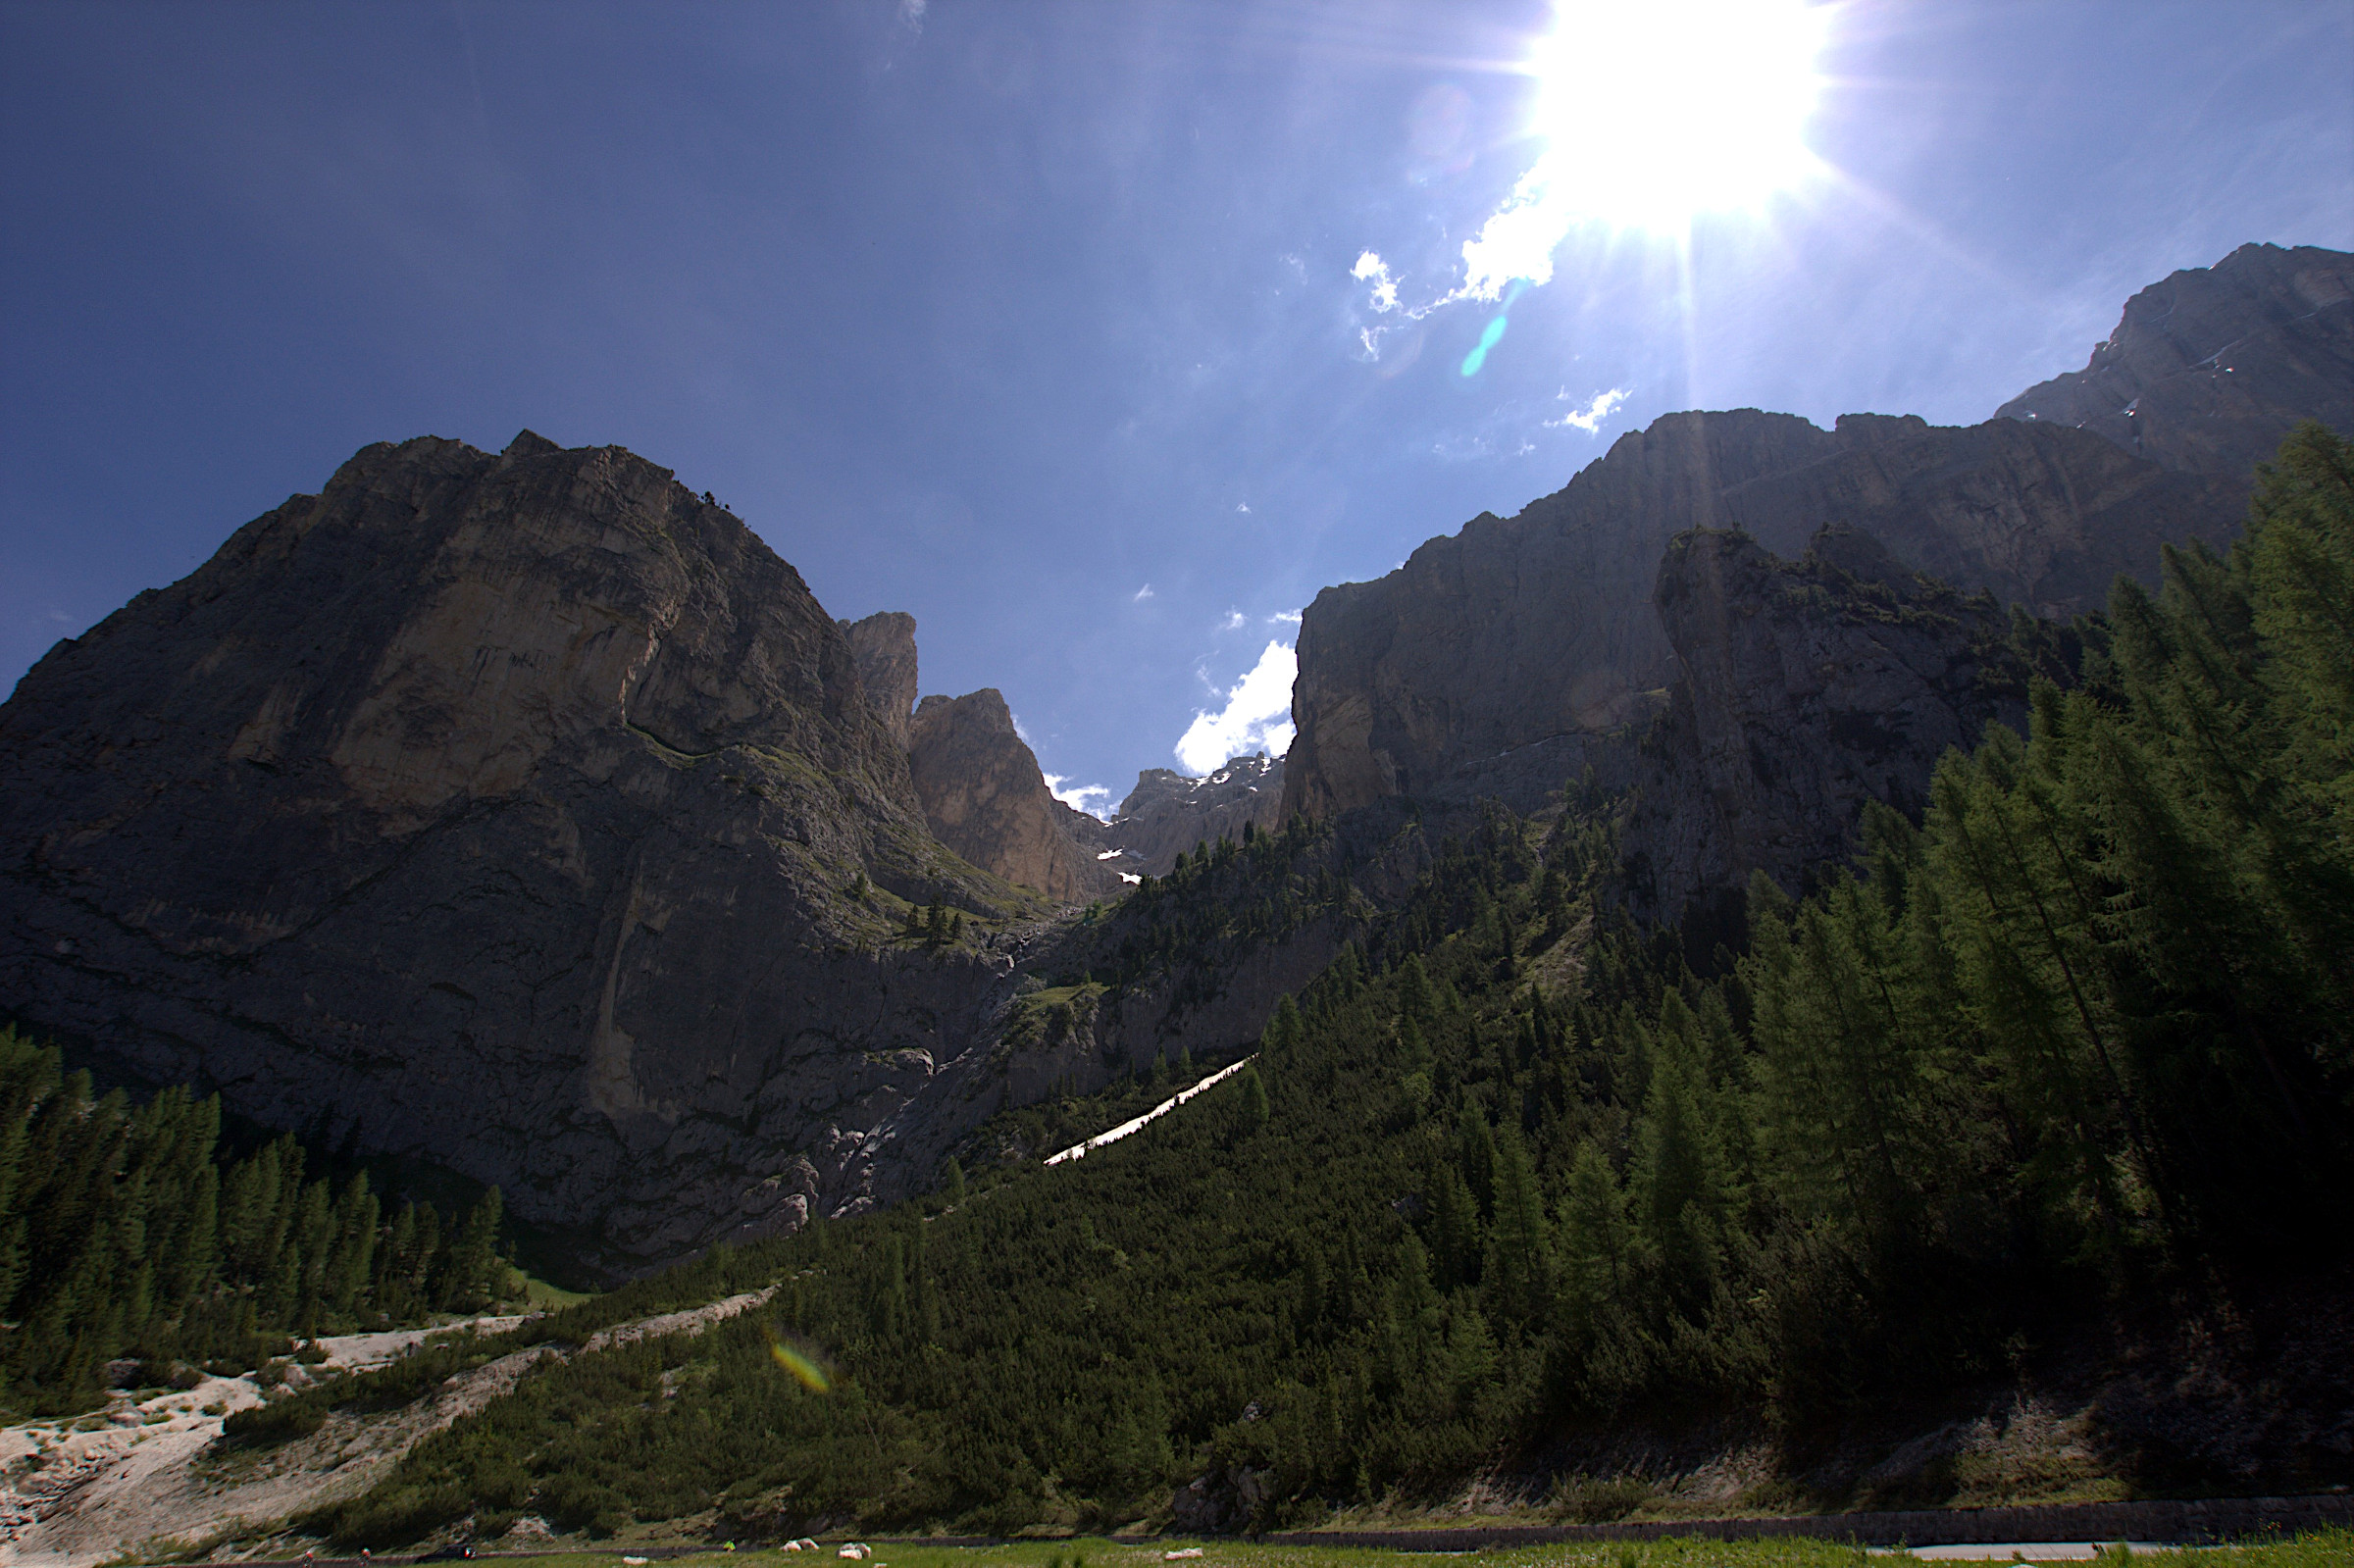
[507, 812]
[1168, 813]
[1805, 689]
[884, 646]
[985, 798]
[1536, 635]
[2210, 370]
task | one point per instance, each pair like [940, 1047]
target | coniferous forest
[1510, 1168]
[130, 1231]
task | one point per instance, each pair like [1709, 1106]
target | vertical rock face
[2211, 369]
[521, 813]
[1537, 634]
[1805, 689]
[984, 797]
[1168, 813]
[884, 649]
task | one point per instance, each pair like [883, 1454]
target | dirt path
[150, 1475]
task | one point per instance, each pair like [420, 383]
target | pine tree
[1519, 1280]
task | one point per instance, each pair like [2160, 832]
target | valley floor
[2313, 1549]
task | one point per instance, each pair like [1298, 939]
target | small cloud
[1242, 506]
[1589, 419]
[911, 14]
[1094, 799]
[1234, 620]
[1291, 616]
[1017, 726]
[1371, 269]
[1141, 594]
[1258, 716]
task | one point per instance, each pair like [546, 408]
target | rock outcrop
[984, 797]
[1805, 689]
[1168, 813]
[884, 646]
[1495, 660]
[523, 814]
[2211, 369]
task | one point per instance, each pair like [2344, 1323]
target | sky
[1098, 336]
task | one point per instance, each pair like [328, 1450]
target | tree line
[127, 1231]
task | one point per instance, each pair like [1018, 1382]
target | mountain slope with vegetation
[2065, 1063]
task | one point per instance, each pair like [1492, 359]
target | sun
[1656, 111]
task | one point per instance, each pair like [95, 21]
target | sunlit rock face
[522, 813]
[884, 646]
[1168, 813]
[2211, 369]
[1503, 658]
[984, 797]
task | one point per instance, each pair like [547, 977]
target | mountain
[1495, 659]
[1168, 813]
[2209, 371]
[1504, 659]
[985, 797]
[1807, 689]
[884, 646]
[519, 813]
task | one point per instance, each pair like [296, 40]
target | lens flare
[1487, 339]
[806, 1372]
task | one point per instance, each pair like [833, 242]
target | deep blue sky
[1001, 312]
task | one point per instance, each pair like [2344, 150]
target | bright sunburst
[1652, 113]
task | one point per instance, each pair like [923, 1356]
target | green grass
[542, 1296]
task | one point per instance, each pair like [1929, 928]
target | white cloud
[1233, 622]
[911, 14]
[1242, 506]
[1258, 716]
[1371, 267]
[1094, 799]
[1589, 419]
[1292, 616]
[1141, 594]
[1017, 726]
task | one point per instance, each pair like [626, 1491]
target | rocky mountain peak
[1169, 811]
[985, 797]
[523, 815]
[2209, 369]
[884, 646]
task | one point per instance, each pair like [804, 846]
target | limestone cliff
[2209, 370]
[1168, 813]
[984, 797]
[520, 813]
[1805, 689]
[884, 646]
[1497, 660]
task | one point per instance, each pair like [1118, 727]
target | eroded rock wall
[1805, 689]
[1536, 637]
